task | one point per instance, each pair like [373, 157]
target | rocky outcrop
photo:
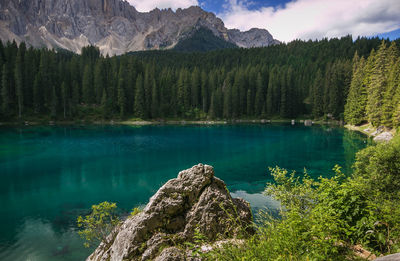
[195, 201]
[253, 38]
[383, 137]
[114, 26]
[394, 257]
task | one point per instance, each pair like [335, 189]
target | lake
[51, 174]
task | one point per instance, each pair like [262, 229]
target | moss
[174, 195]
[142, 247]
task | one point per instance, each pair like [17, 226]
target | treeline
[374, 94]
[287, 80]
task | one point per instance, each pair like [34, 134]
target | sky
[288, 20]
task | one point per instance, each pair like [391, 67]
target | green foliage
[356, 101]
[321, 219]
[379, 167]
[286, 80]
[96, 226]
[374, 90]
[198, 240]
[135, 211]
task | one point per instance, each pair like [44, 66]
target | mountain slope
[113, 25]
[202, 40]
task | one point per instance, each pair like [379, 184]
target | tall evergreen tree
[100, 79]
[87, 85]
[204, 91]
[389, 103]
[5, 92]
[54, 103]
[155, 101]
[317, 95]
[65, 98]
[196, 88]
[122, 100]
[19, 81]
[140, 99]
[260, 97]
[354, 112]
[377, 86]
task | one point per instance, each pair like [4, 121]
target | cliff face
[114, 26]
[194, 200]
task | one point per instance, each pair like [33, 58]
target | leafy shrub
[96, 226]
[135, 211]
[321, 219]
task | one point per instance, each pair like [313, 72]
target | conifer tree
[227, 111]
[19, 82]
[204, 92]
[37, 94]
[389, 102]
[140, 106]
[235, 99]
[377, 86]
[249, 104]
[121, 100]
[283, 107]
[121, 96]
[271, 93]
[155, 104]
[5, 92]
[196, 88]
[396, 112]
[354, 112]
[104, 104]
[54, 103]
[87, 85]
[260, 97]
[65, 98]
[99, 79]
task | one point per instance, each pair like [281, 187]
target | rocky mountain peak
[114, 26]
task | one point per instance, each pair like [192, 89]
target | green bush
[96, 226]
[321, 219]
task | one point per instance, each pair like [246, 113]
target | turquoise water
[50, 175]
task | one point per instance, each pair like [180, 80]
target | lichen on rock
[194, 201]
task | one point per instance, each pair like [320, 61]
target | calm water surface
[50, 175]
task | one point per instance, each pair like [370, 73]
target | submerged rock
[195, 200]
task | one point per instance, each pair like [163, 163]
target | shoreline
[380, 134]
[362, 129]
[166, 122]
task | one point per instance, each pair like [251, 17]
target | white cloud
[148, 5]
[316, 19]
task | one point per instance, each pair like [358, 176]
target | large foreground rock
[194, 200]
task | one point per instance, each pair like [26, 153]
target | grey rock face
[194, 200]
[113, 25]
[384, 137]
[253, 38]
[394, 257]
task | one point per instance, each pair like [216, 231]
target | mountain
[202, 40]
[114, 26]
